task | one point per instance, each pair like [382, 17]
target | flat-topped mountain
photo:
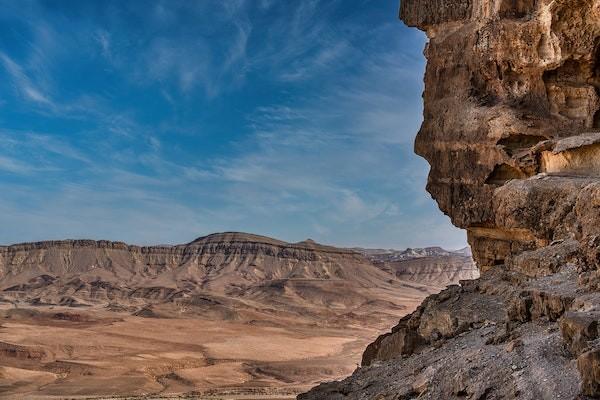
[221, 263]
[240, 238]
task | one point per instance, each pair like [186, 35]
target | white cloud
[103, 39]
[14, 166]
[22, 82]
[311, 65]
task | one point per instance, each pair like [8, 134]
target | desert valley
[232, 314]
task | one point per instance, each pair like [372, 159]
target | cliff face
[504, 77]
[220, 276]
[512, 134]
[229, 264]
[258, 257]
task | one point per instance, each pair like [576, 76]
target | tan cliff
[234, 265]
[511, 131]
[222, 276]
[502, 78]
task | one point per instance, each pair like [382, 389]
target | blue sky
[160, 121]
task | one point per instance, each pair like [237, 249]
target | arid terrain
[228, 314]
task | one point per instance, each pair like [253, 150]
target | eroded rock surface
[512, 133]
[224, 275]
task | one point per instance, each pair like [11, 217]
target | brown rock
[547, 260]
[422, 381]
[514, 345]
[391, 345]
[577, 329]
[403, 340]
[505, 96]
[588, 365]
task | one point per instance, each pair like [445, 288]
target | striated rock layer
[220, 276]
[205, 273]
[512, 134]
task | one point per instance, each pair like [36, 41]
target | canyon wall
[88, 272]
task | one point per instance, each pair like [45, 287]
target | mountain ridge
[220, 237]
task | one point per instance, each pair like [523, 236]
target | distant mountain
[465, 251]
[228, 275]
[433, 266]
[407, 254]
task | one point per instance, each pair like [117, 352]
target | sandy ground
[60, 352]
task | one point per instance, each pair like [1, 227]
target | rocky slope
[222, 276]
[511, 131]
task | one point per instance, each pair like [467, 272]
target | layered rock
[511, 92]
[512, 134]
[432, 266]
[222, 276]
[256, 257]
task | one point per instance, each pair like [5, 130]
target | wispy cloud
[14, 166]
[103, 39]
[22, 83]
[312, 64]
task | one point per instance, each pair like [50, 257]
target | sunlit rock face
[502, 78]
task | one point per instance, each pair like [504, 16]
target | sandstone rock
[506, 96]
[422, 381]
[589, 367]
[514, 345]
[574, 155]
[441, 316]
[578, 329]
[401, 342]
[520, 308]
[547, 260]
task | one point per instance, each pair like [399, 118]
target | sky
[155, 122]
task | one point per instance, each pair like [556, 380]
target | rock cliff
[512, 134]
[216, 270]
[221, 276]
